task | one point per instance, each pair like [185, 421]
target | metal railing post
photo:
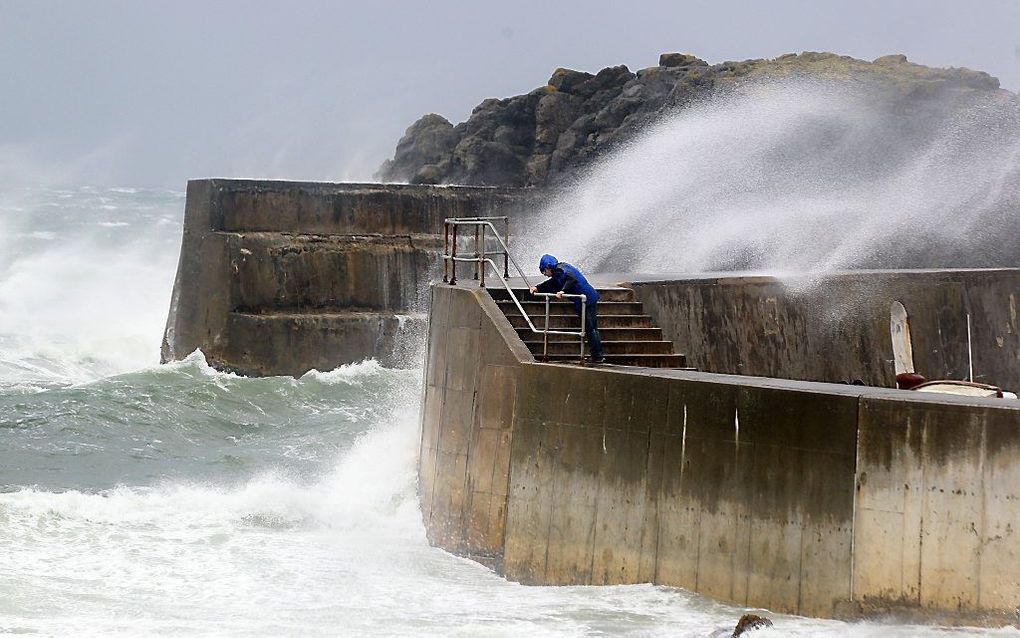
[545, 333]
[506, 250]
[453, 257]
[481, 259]
[584, 308]
[478, 264]
[446, 251]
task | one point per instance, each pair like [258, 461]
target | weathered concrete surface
[201, 301]
[472, 362]
[836, 327]
[353, 209]
[386, 273]
[292, 342]
[739, 491]
[938, 506]
[281, 277]
[811, 498]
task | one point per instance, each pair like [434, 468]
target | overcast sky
[140, 93]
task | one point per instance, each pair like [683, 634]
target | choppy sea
[147, 499]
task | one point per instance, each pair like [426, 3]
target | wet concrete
[835, 327]
[802, 497]
[282, 277]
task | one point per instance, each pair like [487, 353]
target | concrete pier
[812, 498]
[282, 277]
[766, 479]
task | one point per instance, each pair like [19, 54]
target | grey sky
[153, 93]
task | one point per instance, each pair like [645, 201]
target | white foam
[80, 307]
[40, 234]
[369, 482]
[350, 374]
[194, 362]
[345, 552]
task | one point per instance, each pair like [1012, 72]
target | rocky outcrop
[750, 622]
[424, 151]
[545, 136]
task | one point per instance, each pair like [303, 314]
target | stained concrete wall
[472, 363]
[281, 277]
[810, 498]
[728, 487]
[938, 506]
[836, 327]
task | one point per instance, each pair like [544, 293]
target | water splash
[85, 278]
[351, 373]
[800, 176]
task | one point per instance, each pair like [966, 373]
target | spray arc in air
[800, 175]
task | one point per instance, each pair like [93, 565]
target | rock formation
[750, 622]
[545, 136]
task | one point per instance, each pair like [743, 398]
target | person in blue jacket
[566, 279]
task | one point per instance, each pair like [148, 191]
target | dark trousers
[591, 330]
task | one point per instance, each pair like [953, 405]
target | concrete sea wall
[811, 498]
[471, 370]
[803, 497]
[835, 327]
[282, 277]
[938, 500]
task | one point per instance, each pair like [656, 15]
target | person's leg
[591, 330]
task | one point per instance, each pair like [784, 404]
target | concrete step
[609, 347]
[573, 322]
[640, 360]
[605, 294]
[277, 270]
[608, 334]
[294, 340]
[537, 308]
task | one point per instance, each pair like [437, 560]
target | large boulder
[428, 142]
[549, 134]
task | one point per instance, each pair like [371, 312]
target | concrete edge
[502, 325]
[817, 387]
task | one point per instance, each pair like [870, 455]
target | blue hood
[547, 261]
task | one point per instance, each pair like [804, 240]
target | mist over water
[800, 176]
[85, 281]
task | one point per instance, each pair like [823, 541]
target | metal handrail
[546, 332]
[531, 325]
[481, 260]
[484, 222]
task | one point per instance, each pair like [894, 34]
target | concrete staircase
[628, 336]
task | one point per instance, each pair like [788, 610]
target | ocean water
[139, 499]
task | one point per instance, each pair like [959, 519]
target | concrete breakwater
[812, 498]
[835, 327]
[282, 277]
[815, 498]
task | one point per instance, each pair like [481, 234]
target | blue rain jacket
[568, 279]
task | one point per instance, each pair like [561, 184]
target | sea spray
[799, 176]
[85, 279]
